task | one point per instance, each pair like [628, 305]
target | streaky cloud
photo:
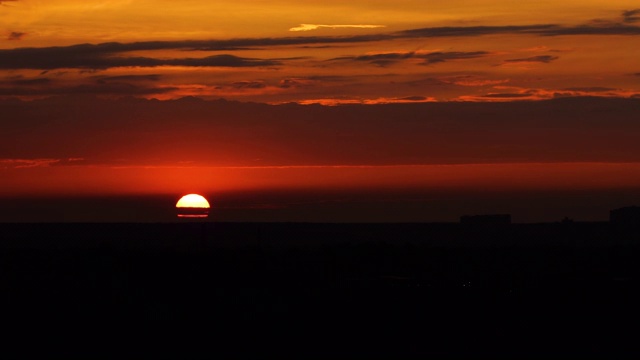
[450, 31]
[534, 59]
[609, 29]
[309, 27]
[384, 59]
[591, 89]
[98, 57]
[631, 16]
[26, 163]
[129, 78]
[46, 87]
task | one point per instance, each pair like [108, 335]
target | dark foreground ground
[320, 290]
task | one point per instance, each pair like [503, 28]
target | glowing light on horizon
[193, 206]
[193, 201]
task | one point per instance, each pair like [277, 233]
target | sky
[323, 101]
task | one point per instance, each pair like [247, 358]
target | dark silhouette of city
[479, 288]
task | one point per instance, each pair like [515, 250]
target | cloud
[470, 81]
[516, 93]
[370, 101]
[115, 54]
[249, 85]
[533, 59]
[26, 82]
[296, 82]
[129, 78]
[591, 89]
[16, 35]
[414, 98]
[33, 163]
[507, 95]
[610, 29]
[606, 28]
[309, 27]
[99, 86]
[26, 163]
[438, 57]
[384, 59]
[101, 57]
[449, 31]
[631, 16]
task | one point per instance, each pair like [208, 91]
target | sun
[193, 206]
[193, 201]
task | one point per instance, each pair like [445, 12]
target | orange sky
[356, 51]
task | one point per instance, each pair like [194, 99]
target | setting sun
[193, 201]
[193, 206]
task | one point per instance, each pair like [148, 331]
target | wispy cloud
[533, 59]
[592, 89]
[631, 16]
[26, 163]
[129, 78]
[449, 31]
[388, 58]
[516, 93]
[438, 57]
[471, 81]
[116, 85]
[309, 27]
[372, 101]
[249, 84]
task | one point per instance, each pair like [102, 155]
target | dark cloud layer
[249, 85]
[631, 16]
[541, 58]
[126, 85]
[385, 59]
[449, 31]
[438, 57]
[26, 82]
[101, 57]
[129, 78]
[609, 29]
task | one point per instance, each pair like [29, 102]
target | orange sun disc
[193, 201]
[193, 206]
